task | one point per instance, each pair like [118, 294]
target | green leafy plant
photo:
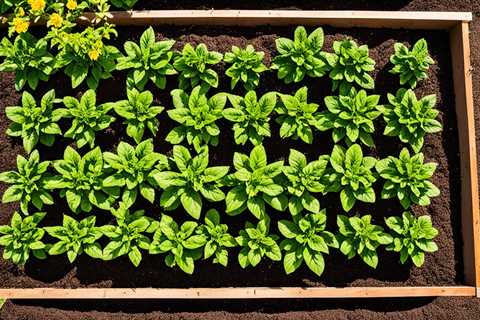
[197, 116]
[251, 116]
[254, 184]
[353, 176]
[297, 116]
[411, 119]
[29, 58]
[256, 243]
[412, 237]
[28, 183]
[181, 243]
[124, 4]
[217, 238]
[303, 180]
[246, 66]
[411, 65]
[351, 115]
[81, 181]
[133, 168]
[357, 235]
[192, 63]
[306, 240]
[76, 237]
[407, 179]
[88, 118]
[35, 123]
[350, 64]
[127, 237]
[150, 60]
[193, 180]
[23, 237]
[300, 56]
[138, 112]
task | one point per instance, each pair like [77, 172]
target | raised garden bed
[442, 273]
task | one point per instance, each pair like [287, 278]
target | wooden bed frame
[457, 25]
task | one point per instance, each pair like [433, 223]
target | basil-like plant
[250, 116]
[407, 179]
[306, 240]
[124, 4]
[301, 56]
[217, 238]
[412, 237]
[193, 180]
[192, 63]
[35, 123]
[23, 237]
[411, 119]
[181, 243]
[350, 64]
[297, 116]
[28, 183]
[197, 116]
[127, 237]
[357, 235]
[303, 180]
[353, 176]
[246, 66]
[81, 181]
[29, 58]
[256, 243]
[88, 118]
[139, 113]
[351, 115]
[76, 237]
[254, 184]
[149, 60]
[411, 65]
[133, 168]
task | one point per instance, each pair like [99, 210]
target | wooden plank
[462, 77]
[235, 293]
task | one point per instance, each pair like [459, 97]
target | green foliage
[23, 237]
[35, 123]
[29, 58]
[359, 236]
[76, 237]
[192, 180]
[303, 180]
[133, 168]
[150, 60]
[88, 118]
[297, 116]
[81, 181]
[181, 243]
[197, 115]
[246, 66]
[28, 183]
[251, 116]
[124, 4]
[217, 238]
[300, 56]
[412, 237]
[352, 176]
[192, 63]
[350, 64]
[138, 112]
[407, 179]
[351, 115]
[254, 184]
[411, 65]
[410, 119]
[306, 240]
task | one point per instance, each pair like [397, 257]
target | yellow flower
[94, 54]
[55, 20]
[20, 25]
[21, 12]
[37, 5]
[71, 5]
